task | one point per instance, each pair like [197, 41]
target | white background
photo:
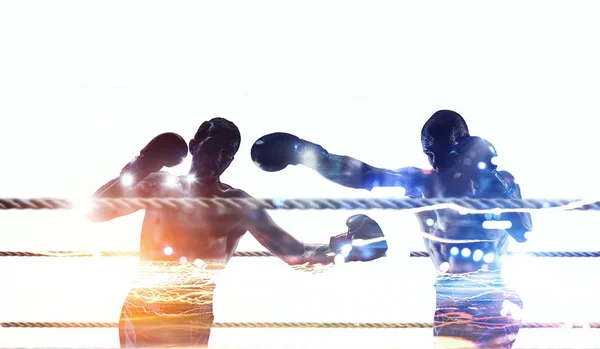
[85, 85]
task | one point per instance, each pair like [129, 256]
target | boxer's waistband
[479, 279]
[153, 274]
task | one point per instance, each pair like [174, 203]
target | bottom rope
[204, 347]
[329, 325]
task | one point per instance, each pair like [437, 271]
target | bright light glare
[388, 192]
[346, 249]
[361, 242]
[496, 225]
[190, 178]
[510, 308]
[444, 267]
[126, 179]
[84, 207]
[516, 270]
[339, 259]
[168, 250]
[309, 158]
[171, 181]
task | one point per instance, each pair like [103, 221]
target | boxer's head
[440, 134]
[213, 148]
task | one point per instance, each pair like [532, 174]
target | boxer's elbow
[98, 216]
[519, 237]
[519, 232]
[520, 225]
[527, 222]
[526, 225]
[104, 214]
[96, 219]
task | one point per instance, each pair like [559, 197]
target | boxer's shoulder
[158, 184]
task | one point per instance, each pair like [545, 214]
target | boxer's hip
[478, 307]
[171, 293]
[485, 288]
[183, 322]
[170, 302]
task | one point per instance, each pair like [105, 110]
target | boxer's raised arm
[276, 151]
[122, 188]
[140, 177]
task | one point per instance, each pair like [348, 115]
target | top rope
[466, 205]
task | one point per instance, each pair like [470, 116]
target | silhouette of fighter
[170, 303]
[473, 302]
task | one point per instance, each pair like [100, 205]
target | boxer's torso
[477, 244]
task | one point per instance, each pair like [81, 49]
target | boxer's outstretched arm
[284, 245]
[353, 173]
[275, 151]
[281, 243]
[148, 187]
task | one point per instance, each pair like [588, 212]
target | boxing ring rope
[64, 254]
[463, 205]
[329, 325]
[466, 205]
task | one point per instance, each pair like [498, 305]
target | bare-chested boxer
[473, 303]
[170, 304]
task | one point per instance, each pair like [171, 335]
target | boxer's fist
[364, 241]
[165, 150]
[474, 157]
[276, 151]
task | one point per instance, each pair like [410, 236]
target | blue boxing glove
[475, 158]
[364, 241]
[275, 151]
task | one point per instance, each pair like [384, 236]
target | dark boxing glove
[475, 157]
[363, 242]
[276, 151]
[165, 150]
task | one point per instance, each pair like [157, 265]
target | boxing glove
[165, 150]
[475, 157]
[275, 151]
[364, 241]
